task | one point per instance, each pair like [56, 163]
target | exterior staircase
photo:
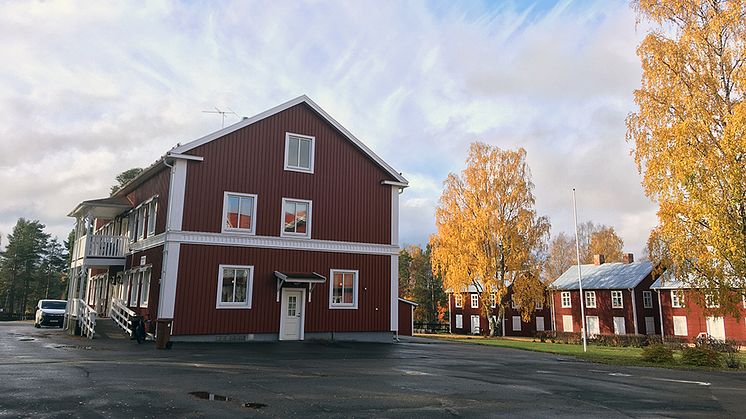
[107, 329]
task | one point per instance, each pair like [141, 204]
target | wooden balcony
[100, 250]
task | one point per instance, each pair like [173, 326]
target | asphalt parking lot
[44, 373]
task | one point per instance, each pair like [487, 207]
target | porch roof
[302, 277]
[104, 208]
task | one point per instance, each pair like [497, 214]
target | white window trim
[676, 299]
[152, 209]
[621, 299]
[710, 301]
[518, 323]
[145, 291]
[569, 299]
[249, 288]
[539, 305]
[493, 300]
[459, 321]
[685, 331]
[458, 300]
[474, 300]
[312, 156]
[134, 289]
[250, 231]
[283, 233]
[647, 299]
[355, 286]
[587, 294]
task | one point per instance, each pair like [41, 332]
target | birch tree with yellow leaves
[689, 138]
[488, 232]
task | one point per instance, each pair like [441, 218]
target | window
[619, 326]
[493, 300]
[516, 323]
[539, 305]
[474, 301]
[616, 299]
[647, 299]
[144, 288]
[743, 297]
[458, 300]
[152, 211]
[134, 288]
[239, 212]
[141, 223]
[590, 299]
[677, 299]
[296, 218]
[567, 323]
[566, 302]
[539, 323]
[344, 289]
[649, 326]
[513, 304]
[679, 326]
[235, 284]
[711, 301]
[459, 321]
[299, 152]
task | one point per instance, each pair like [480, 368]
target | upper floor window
[234, 286]
[647, 299]
[677, 298]
[474, 301]
[711, 301]
[140, 222]
[616, 299]
[590, 299]
[566, 302]
[239, 212]
[296, 218]
[344, 289]
[299, 152]
[539, 305]
[152, 209]
[493, 300]
[458, 300]
[513, 304]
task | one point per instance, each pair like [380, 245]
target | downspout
[660, 313]
[634, 308]
[451, 316]
[551, 306]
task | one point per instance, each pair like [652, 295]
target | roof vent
[599, 259]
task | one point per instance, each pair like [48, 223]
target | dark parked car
[50, 313]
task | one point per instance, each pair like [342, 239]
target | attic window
[299, 152]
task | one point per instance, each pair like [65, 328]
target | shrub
[701, 356]
[732, 361]
[636, 341]
[724, 346]
[657, 353]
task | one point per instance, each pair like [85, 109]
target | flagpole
[580, 276]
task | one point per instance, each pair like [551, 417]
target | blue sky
[89, 89]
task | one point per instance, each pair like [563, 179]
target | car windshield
[54, 305]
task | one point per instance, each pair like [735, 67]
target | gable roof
[400, 180]
[604, 276]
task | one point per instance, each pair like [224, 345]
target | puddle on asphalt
[204, 395]
[26, 339]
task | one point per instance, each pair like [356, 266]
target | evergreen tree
[20, 264]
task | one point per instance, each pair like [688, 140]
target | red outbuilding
[281, 226]
[406, 316]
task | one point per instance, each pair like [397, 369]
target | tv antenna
[222, 113]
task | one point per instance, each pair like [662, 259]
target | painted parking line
[700, 383]
[619, 374]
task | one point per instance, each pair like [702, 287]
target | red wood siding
[405, 319]
[696, 317]
[196, 294]
[527, 328]
[349, 202]
[158, 184]
[153, 257]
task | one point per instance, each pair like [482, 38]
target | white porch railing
[86, 319]
[100, 246]
[122, 315]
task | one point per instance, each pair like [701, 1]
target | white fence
[122, 315]
[100, 246]
[86, 319]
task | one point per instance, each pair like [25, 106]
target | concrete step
[107, 329]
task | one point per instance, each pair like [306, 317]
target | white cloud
[89, 90]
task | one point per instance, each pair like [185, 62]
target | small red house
[281, 226]
[406, 317]
[467, 317]
[618, 299]
[687, 313]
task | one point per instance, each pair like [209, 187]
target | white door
[619, 328]
[649, 326]
[475, 325]
[592, 323]
[566, 323]
[716, 327]
[291, 314]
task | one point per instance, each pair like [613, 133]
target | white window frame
[355, 287]
[459, 321]
[590, 295]
[513, 304]
[249, 288]
[566, 299]
[617, 297]
[474, 300]
[152, 208]
[710, 301]
[743, 298]
[134, 288]
[312, 157]
[539, 305]
[283, 233]
[516, 323]
[493, 300]
[458, 300]
[252, 229]
[649, 325]
[540, 324]
[567, 321]
[141, 230]
[683, 329]
[647, 299]
[677, 299]
[145, 287]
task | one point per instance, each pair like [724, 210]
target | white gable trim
[277, 109]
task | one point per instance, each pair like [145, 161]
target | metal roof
[102, 208]
[605, 276]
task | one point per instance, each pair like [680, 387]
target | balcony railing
[100, 246]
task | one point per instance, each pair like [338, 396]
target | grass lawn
[601, 354]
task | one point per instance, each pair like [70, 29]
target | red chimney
[599, 259]
[628, 258]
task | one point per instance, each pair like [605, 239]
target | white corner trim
[177, 191]
[311, 157]
[395, 216]
[251, 230]
[309, 219]
[277, 109]
[169, 277]
[395, 293]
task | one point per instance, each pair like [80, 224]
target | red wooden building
[618, 298]
[282, 226]
[406, 317]
[467, 317]
[687, 313]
